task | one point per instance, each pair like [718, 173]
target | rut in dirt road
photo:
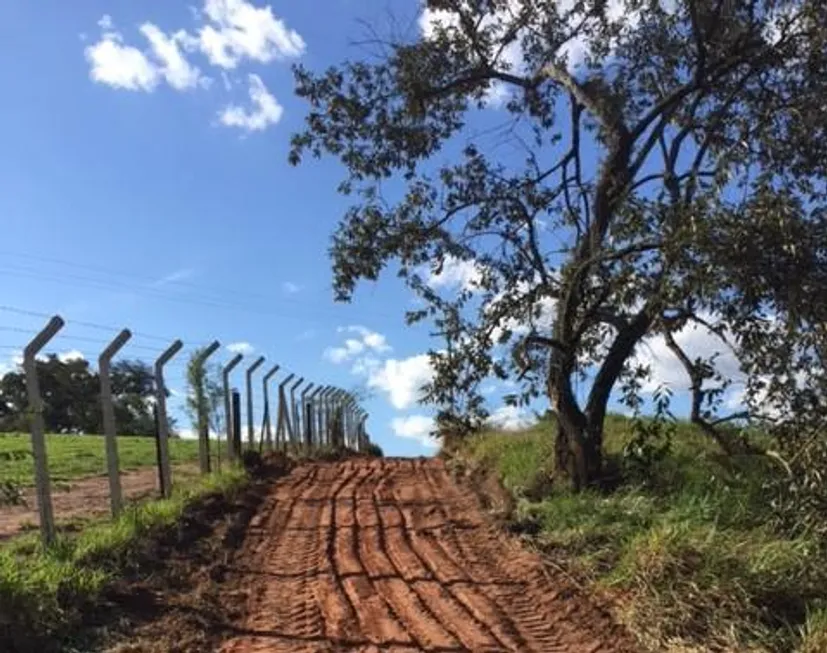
[390, 555]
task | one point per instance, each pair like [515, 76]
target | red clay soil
[391, 555]
[86, 497]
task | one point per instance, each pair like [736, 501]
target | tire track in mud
[483, 629]
[391, 555]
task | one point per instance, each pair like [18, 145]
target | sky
[146, 185]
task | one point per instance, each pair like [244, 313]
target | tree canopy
[612, 171]
[71, 397]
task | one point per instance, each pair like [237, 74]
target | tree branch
[697, 376]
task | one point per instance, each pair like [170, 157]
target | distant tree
[13, 402]
[133, 392]
[653, 165]
[71, 397]
[69, 390]
[205, 393]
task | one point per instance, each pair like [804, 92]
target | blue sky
[146, 184]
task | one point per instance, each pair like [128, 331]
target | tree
[205, 394]
[133, 394]
[71, 397]
[659, 146]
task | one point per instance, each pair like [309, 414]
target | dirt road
[391, 555]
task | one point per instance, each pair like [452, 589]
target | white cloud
[124, 66]
[415, 427]
[242, 30]
[291, 288]
[230, 32]
[368, 341]
[118, 65]
[175, 276]
[266, 110]
[455, 273]
[373, 340]
[241, 348]
[365, 366]
[696, 341]
[401, 380]
[512, 418]
[175, 69]
[350, 349]
[71, 355]
[542, 315]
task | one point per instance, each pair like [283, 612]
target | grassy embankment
[73, 457]
[689, 558]
[45, 594]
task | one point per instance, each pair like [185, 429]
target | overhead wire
[150, 287]
[88, 325]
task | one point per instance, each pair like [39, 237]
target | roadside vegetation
[45, 595]
[692, 551]
[73, 457]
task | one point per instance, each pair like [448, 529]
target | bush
[374, 450]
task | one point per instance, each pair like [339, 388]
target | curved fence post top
[258, 363]
[119, 341]
[271, 372]
[37, 343]
[165, 357]
[235, 360]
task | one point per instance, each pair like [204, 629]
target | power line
[132, 275]
[149, 283]
[89, 325]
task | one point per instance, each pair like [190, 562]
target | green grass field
[72, 456]
[691, 555]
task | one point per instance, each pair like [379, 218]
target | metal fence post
[251, 434]
[283, 428]
[267, 436]
[347, 418]
[236, 442]
[325, 413]
[311, 416]
[203, 419]
[108, 409]
[328, 400]
[41, 463]
[228, 407]
[332, 420]
[294, 413]
[163, 424]
[305, 422]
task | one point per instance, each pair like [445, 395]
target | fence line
[321, 415]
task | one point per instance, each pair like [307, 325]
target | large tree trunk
[579, 454]
[579, 446]
[579, 442]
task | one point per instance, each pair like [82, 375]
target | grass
[73, 456]
[690, 555]
[44, 593]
